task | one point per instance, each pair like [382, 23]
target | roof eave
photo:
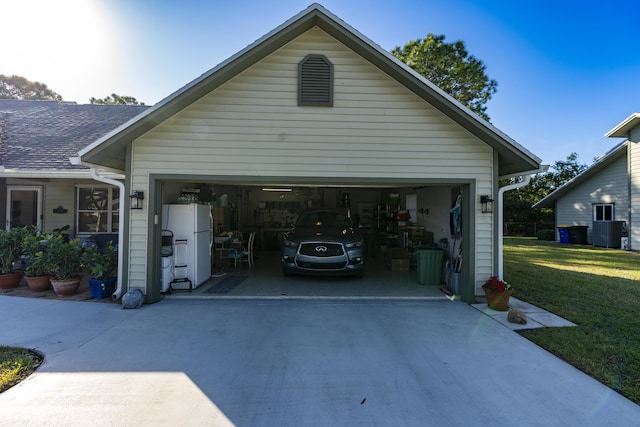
[40, 174]
[193, 91]
[622, 130]
[601, 163]
[513, 158]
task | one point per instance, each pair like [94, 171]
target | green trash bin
[429, 266]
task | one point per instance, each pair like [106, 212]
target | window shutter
[315, 81]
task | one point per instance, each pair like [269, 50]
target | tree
[115, 99]
[451, 68]
[17, 87]
[517, 203]
[563, 171]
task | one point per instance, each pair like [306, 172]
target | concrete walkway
[290, 363]
[536, 317]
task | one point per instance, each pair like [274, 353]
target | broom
[447, 293]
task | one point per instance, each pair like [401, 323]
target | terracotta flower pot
[66, 287]
[11, 280]
[498, 300]
[38, 283]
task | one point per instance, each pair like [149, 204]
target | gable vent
[315, 81]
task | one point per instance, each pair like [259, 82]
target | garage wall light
[279, 190]
[487, 204]
[136, 199]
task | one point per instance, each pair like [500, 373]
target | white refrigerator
[192, 228]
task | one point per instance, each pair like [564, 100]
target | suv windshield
[324, 219]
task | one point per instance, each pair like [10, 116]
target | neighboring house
[606, 196]
[38, 183]
[318, 108]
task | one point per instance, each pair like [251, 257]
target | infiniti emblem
[321, 249]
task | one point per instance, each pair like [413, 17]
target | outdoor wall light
[136, 199]
[487, 204]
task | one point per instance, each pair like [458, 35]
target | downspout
[117, 294]
[501, 191]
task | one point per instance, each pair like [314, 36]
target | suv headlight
[290, 244]
[353, 245]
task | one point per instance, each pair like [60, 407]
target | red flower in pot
[498, 293]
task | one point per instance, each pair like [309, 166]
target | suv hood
[327, 234]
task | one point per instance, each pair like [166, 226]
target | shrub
[547, 235]
[36, 254]
[100, 263]
[10, 248]
[65, 260]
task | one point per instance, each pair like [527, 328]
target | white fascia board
[501, 136]
[39, 174]
[498, 135]
[622, 130]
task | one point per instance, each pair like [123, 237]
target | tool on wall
[455, 265]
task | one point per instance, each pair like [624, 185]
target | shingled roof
[42, 135]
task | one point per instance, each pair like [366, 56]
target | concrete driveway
[283, 362]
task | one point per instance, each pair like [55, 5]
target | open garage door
[396, 220]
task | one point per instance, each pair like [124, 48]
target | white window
[98, 209]
[603, 212]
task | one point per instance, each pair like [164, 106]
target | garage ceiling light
[281, 190]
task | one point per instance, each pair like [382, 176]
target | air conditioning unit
[607, 234]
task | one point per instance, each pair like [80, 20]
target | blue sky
[567, 71]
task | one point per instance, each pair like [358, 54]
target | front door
[24, 206]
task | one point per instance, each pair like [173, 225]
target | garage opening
[234, 246]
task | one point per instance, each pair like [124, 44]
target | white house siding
[634, 172]
[252, 126]
[607, 186]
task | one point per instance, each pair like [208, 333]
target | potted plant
[498, 293]
[101, 264]
[10, 252]
[36, 258]
[64, 264]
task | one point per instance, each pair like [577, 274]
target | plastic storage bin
[429, 266]
[578, 234]
[101, 289]
[565, 236]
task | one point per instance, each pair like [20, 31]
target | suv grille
[322, 266]
[316, 249]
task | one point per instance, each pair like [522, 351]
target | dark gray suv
[323, 241]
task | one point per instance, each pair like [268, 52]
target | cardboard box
[397, 259]
[399, 265]
[420, 234]
[416, 233]
[397, 253]
[426, 237]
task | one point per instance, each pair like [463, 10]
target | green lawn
[597, 289]
[15, 365]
